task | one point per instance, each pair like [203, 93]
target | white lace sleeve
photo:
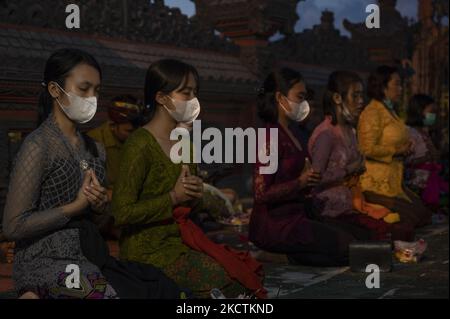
[22, 218]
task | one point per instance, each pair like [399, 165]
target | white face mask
[185, 111]
[299, 111]
[80, 109]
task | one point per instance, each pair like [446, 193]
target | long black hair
[416, 106]
[282, 81]
[378, 81]
[57, 69]
[165, 76]
[338, 82]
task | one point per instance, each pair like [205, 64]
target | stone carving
[136, 20]
[322, 45]
[249, 24]
[236, 18]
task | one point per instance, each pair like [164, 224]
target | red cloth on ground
[239, 265]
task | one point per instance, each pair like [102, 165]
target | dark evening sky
[310, 10]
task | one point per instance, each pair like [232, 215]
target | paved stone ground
[426, 279]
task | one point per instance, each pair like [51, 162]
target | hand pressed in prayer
[405, 149]
[187, 188]
[357, 167]
[80, 204]
[193, 186]
[96, 194]
[308, 178]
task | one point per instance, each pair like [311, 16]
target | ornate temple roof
[24, 49]
[136, 20]
[322, 45]
[242, 20]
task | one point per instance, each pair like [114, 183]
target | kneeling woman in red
[280, 219]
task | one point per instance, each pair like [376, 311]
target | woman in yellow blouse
[384, 141]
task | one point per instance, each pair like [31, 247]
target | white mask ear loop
[168, 97]
[168, 109]
[57, 98]
[284, 107]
